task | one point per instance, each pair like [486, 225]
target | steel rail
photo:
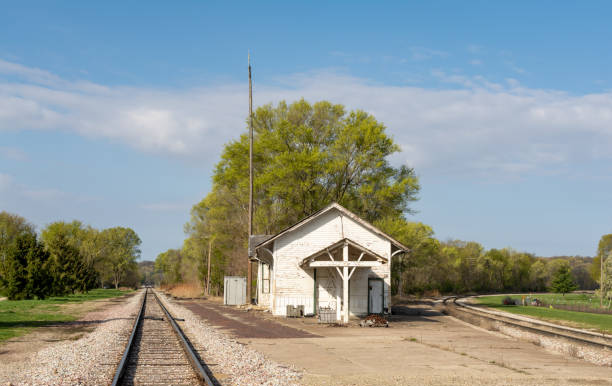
[513, 322]
[122, 364]
[192, 357]
[189, 351]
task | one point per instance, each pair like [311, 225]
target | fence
[579, 308]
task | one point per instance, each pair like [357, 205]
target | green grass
[588, 300]
[600, 322]
[18, 317]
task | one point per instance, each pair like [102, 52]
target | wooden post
[249, 266]
[338, 299]
[345, 284]
[210, 241]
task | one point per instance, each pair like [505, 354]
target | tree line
[309, 155]
[456, 266]
[66, 257]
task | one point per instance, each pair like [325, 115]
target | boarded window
[265, 278]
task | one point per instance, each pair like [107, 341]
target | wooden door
[375, 296]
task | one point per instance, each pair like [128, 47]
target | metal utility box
[295, 311]
[234, 290]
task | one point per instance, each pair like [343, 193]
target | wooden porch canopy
[311, 261]
[345, 264]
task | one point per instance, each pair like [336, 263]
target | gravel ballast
[239, 364]
[90, 360]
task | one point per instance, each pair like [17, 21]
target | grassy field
[599, 322]
[17, 317]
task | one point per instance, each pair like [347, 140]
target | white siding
[294, 285]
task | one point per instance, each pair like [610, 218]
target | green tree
[562, 281]
[463, 261]
[66, 264]
[39, 263]
[11, 226]
[603, 250]
[538, 276]
[71, 269]
[306, 156]
[122, 251]
[412, 271]
[27, 269]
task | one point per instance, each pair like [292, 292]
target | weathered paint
[293, 284]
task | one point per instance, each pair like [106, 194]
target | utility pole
[210, 241]
[250, 273]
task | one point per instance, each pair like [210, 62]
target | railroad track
[593, 339]
[158, 352]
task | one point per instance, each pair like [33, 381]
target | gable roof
[340, 243]
[345, 212]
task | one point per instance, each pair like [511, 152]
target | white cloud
[14, 191]
[45, 195]
[6, 181]
[474, 48]
[475, 126]
[13, 153]
[422, 53]
[167, 206]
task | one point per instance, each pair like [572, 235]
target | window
[265, 278]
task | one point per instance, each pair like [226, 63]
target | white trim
[350, 263]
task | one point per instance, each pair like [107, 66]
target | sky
[115, 113]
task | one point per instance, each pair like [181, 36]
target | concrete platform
[425, 348]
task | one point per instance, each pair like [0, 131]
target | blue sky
[114, 113]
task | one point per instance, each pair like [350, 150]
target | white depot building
[331, 259]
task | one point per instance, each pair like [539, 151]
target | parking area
[421, 347]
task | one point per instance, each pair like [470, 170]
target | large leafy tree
[603, 250]
[122, 251]
[606, 287]
[11, 226]
[413, 271]
[67, 243]
[306, 156]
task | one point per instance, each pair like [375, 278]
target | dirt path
[242, 324]
[19, 348]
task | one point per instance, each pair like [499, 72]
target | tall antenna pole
[250, 273]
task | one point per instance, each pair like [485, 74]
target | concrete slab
[425, 348]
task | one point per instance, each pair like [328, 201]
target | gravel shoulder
[84, 352]
[231, 362]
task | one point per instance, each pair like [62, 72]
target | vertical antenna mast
[250, 274]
